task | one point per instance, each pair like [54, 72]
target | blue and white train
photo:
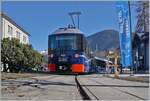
[67, 51]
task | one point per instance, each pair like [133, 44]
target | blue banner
[124, 33]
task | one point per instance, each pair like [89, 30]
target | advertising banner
[124, 33]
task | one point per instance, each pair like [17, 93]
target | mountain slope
[104, 40]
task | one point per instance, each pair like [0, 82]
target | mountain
[104, 40]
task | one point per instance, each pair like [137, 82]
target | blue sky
[41, 18]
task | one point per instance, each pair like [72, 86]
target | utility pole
[130, 33]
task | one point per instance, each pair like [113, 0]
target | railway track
[82, 92]
[87, 91]
[76, 87]
[123, 91]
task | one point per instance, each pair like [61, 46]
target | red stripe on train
[52, 67]
[77, 68]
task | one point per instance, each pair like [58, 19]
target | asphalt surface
[64, 87]
[99, 87]
[45, 87]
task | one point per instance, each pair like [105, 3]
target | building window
[24, 38]
[18, 34]
[10, 30]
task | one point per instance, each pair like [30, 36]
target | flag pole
[129, 6]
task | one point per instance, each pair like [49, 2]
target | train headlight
[76, 55]
[52, 55]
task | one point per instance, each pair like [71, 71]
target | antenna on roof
[77, 14]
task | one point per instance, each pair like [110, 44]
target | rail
[83, 93]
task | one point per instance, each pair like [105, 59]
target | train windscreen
[65, 42]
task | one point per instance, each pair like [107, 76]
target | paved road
[104, 88]
[56, 87]
[63, 87]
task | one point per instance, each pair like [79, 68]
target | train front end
[67, 51]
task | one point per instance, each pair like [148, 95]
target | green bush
[18, 55]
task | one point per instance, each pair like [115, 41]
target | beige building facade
[10, 29]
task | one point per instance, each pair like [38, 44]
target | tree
[5, 52]
[38, 58]
[18, 55]
[12, 54]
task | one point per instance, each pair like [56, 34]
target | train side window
[52, 43]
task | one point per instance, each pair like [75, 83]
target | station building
[10, 29]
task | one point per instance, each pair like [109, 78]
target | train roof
[69, 30]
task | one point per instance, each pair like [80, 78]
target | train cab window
[66, 42]
[63, 42]
[52, 42]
